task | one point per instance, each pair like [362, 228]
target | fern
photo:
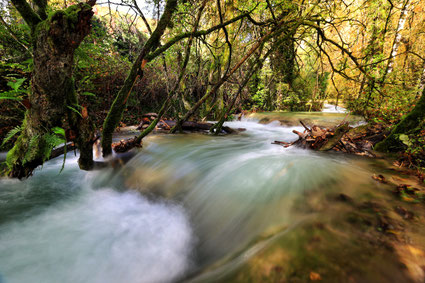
[52, 141]
[55, 140]
[32, 149]
[12, 95]
[59, 131]
[16, 84]
[75, 110]
[11, 134]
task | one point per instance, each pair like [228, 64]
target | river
[188, 207]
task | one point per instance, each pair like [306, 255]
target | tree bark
[53, 101]
[422, 80]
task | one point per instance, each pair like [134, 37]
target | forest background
[217, 58]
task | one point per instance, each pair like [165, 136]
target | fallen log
[58, 151]
[186, 126]
[125, 145]
[150, 115]
[359, 140]
[192, 126]
[337, 135]
[284, 144]
[147, 118]
[165, 124]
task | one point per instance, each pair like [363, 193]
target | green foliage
[59, 132]
[389, 109]
[74, 110]
[86, 93]
[32, 150]
[52, 140]
[16, 84]
[12, 46]
[405, 139]
[17, 91]
[11, 134]
[414, 140]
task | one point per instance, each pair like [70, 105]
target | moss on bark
[52, 92]
[120, 103]
[412, 120]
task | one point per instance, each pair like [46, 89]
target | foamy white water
[97, 236]
[329, 108]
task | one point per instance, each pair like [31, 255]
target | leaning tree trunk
[412, 120]
[120, 102]
[53, 101]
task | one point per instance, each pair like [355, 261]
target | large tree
[53, 104]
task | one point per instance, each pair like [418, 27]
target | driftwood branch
[343, 138]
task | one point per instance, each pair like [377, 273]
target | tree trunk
[392, 143]
[120, 102]
[53, 101]
[422, 80]
[396, 42]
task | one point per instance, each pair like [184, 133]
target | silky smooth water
[184, 203]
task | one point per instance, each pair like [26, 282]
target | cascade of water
[203, 198]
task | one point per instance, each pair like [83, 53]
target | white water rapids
[93, 235]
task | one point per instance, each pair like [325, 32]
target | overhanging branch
[27, 13]
[184, 35]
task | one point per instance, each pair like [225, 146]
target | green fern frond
[59, 131]
[52, 141]
[11, 134]
[75, 110]
[32, 149]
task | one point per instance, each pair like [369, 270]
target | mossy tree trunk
[120, 103]
[392, 143]
[53, 101]
[171, 93]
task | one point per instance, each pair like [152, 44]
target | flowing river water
[193, 207]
